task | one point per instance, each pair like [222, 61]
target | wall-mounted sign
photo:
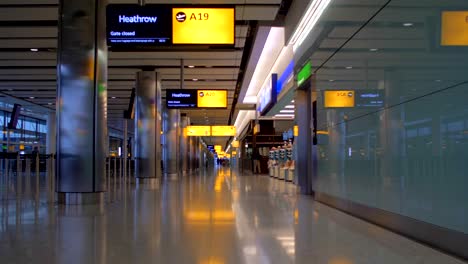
[454, 30]
[203, 25]
[369, 98]
[181, 98]
[296, 131]
[268, 95]
[134, 27]
[223, 131]
[339, 99]
[201, 131]
[304, 73]
[235, 144]
[212, 98]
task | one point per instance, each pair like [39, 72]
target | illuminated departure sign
[203, 25]
[454, 28]
[212, 98]
[268, 95]
[223, 131]
[136, 27]
[339, 99]
[181, 98]
[201, 131]
[191, 98]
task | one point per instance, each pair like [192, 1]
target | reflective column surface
[211, 217]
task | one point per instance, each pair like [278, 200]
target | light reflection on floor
[212, 217]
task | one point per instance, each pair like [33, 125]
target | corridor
[212, 217]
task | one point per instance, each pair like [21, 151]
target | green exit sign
[304, 73]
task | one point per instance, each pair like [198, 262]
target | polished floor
[214, 217]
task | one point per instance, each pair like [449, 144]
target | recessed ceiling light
[113, 97]
[289, 106]
[373, 50]
[194, 80]
[287, 111]
[349, 67]
[49, 103]
[438, 80]
[408, 24]
[191, 66]
[31, 97]
[331, 80]
[34, 50]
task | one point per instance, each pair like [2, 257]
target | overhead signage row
[349, 98]
[213, 131]
[191, 98]
[135, 27]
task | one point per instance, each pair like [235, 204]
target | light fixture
[31, 97]
[35, 50]
[287, 111]
[191, 66]
[194, 80]
[289, 106]
[284, 115]
[373, 50]
[438, 80]
[349, 67]
[331, 80]
[113, 97]
[308, 21]
[292, 101]
[49, 103]
[408, 24]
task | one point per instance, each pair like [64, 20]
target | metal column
[303, 120]
[81, 102]
[51, 146]
[147, 126]
[171, 151]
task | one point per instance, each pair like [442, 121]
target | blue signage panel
[181, 98]
[369, 98]
[138, 27]
[268, 95]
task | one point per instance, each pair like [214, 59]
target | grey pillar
[147, 126]
[51, 134]
[183, 140]
[303, 117]
[82, 100]
[171, 148]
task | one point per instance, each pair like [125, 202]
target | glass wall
[30, 133]
[403, 147]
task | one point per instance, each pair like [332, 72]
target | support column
[171, 146]
[303, 118]
[184, 121]
[81, 102]
[147, 127]
[51, 146]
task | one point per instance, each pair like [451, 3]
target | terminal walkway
[211, 217]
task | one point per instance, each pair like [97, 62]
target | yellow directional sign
[235, 144]
[202, 131]
[339, 99]
[223, 131]
[218, 148]
[212, 99]
[203, 25]
[454, 28]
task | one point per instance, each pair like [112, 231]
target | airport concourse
[238, 131]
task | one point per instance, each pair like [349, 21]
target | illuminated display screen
[138, 27]
[369, 98]
[203, 25]
[212, 98]
[268, 95]
[223, 131]
[181, 98]
[339, 99]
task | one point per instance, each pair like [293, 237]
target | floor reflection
[216, 216]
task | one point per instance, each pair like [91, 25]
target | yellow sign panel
[454, 28]
[218, 148]
[234, 153]
[202, 131]
[296, 131]
[203, 26]
[235, 144]
[223, 131]
[212, 98]
[339, 99]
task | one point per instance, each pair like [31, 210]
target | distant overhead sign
[181, 98]
[221, 131]
[135, 27]
[454, 28]
[212, 98]
[201, 131]
[339, 99]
